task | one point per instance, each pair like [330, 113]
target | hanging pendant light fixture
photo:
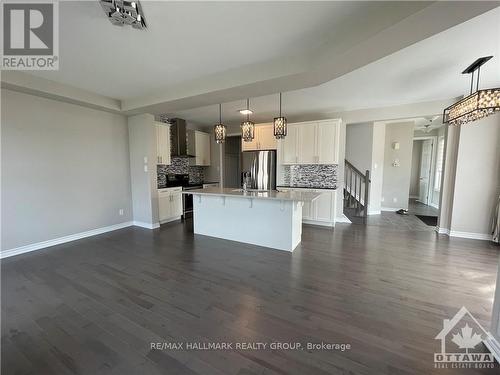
[248, 127]
[477, 105]
[280, 125]
[220, 128]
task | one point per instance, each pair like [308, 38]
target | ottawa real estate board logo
[463, 342]
[30, 35]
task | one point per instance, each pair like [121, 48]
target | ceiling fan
[427, 127]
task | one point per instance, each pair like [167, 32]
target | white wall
[396, 183]
[377, 170]
[65, 169]
[477, 180]
[359, 141]
[142, 143]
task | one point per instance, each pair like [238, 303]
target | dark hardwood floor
[94, 306]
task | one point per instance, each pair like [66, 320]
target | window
[439, 164]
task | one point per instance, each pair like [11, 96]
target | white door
[307, 211]
[288, 146]
[164, 205]
[425, 171]
[176, 203]
[323, 206]
[327, 143]
[307, 143]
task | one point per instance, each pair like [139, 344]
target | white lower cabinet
[321, 211]
[169, 204]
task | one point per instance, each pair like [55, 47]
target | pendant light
[220, 128]
[477, 105]
[280, 125]
[247, 127]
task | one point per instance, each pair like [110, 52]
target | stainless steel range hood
[182, 140]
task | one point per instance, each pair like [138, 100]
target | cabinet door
[164, 205]
[176, 204]
[206, 149]
[249, 146]
[323, 207]
[162, 143]
[202, 148]
[307, 143]
[327, 142]
[307, 211]
[265, 136]
[288, 146]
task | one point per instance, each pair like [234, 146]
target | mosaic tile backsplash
[311, 175]
[178, 166]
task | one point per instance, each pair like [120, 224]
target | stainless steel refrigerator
[262, 168]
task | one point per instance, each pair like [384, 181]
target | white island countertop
[296, 196]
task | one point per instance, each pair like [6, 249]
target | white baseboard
[469, 235]
[170, 220]
[443, 231]
[493, 346]
[319, 223]
[143, 224]
[342, 219]
[61, 240]
[390, 209]
[374, 212]
[414, 196]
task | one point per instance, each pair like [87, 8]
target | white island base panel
[271, 223]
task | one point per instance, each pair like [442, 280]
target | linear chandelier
[122, 12]
[476, 105]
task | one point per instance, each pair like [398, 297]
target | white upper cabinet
[201, 148]
[288, 146]
[327, 142]
[162, 143]
[263, 139]
[307, 143]
[266, 138]
[311, 143]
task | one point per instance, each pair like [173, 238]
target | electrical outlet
[145, 159]
[145, 168]
[395, 200]
[120, 211]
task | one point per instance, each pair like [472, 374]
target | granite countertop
[298, 196]
[306, 187]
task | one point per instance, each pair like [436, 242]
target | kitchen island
[268, 218]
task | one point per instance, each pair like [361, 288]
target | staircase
[356, 197]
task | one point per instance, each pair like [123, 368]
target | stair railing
[356, 187]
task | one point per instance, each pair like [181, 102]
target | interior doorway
[425, 178]
[232, 162]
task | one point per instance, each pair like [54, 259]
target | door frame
[430, 186]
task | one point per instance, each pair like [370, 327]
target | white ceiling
[189, 40]
[426, 71]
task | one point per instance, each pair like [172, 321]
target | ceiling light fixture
[220, 128]
[247, 127]
[477, 105]
[245, 111]
[280, 125]
[122, 12]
